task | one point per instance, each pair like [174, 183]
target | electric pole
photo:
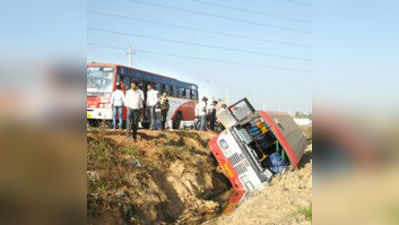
[131, 52]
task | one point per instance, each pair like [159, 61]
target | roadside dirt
[171, 178]
[164, 178]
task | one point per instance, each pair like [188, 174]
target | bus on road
[102, 79]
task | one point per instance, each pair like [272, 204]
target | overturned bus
[255, 146]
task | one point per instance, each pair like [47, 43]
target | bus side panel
[188, 111]
[186, 106]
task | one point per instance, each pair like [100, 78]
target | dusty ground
[281, 203]
[164, 178]
[171, 178]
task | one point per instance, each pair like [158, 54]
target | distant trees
[303, 115]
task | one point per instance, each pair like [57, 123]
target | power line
[220, 17]
[204, 59]
[247, 10]
[231, 35]
[200, 45]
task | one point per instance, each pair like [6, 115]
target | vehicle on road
[102, 79]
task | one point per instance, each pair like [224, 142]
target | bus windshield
[99, 80]
[241, 110]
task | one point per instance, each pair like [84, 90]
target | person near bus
[164, 108]
[211, 110]
[219, 124]
[201, 113]
[158, 114]
[117, 99]
[152, 99]
[219, 105]
[134, 102]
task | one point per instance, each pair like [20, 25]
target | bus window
[168, 89]
[178, 92]
[188, 93]
[118, 79]
[182, 92]
[163, 88]
[158, 87]
[194, 95]
[126, 80]
[173, 91]
[140, 85]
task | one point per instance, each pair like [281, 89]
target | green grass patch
[393, 213]
[307, 212]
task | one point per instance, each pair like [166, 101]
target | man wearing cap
[201, 113]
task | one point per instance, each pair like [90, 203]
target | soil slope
[164, 178]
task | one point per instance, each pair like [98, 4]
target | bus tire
[92, 123]
[177, 120]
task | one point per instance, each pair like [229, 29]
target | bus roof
[140, 70]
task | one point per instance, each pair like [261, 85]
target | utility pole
[131, 52]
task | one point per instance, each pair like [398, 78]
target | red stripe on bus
[239, 190]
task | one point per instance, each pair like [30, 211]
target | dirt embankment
[164, 178]
[171, 178]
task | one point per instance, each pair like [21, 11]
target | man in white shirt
[134, 102]
[117, 99]
[152, 100]
[201, 113]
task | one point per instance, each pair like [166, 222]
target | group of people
[206, 114]
[156, 108]
[156, 105]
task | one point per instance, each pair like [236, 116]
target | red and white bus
[254, 146]
[102, 79]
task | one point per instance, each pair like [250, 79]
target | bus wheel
[93, 123]
[177, 121]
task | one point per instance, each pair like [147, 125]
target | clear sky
[282, 54]
[342, 51]
[355, 53]
[260, 50]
